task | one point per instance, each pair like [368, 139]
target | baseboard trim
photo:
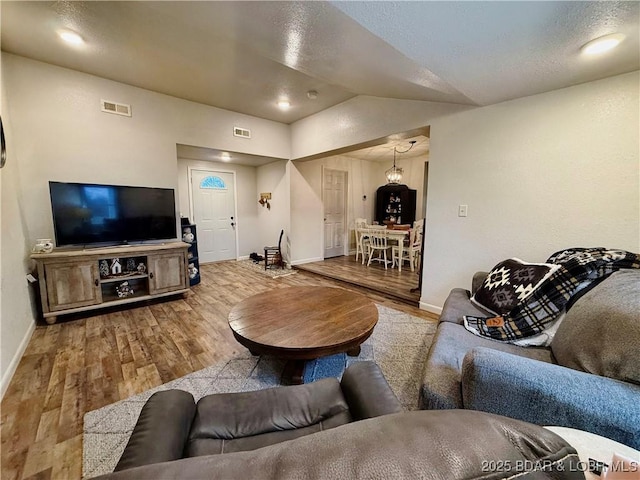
[307, 260]
[430, 308]
[243, 257]
[8, 375]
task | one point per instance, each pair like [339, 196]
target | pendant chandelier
[394, 174]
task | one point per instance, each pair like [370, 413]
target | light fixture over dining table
[394, 174]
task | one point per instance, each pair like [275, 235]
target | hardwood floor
[390, 282]
[87, 362]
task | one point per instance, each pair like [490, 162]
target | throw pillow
[601, 332]
[509, 283]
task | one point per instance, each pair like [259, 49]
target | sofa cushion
[227, 422]
[440, 387]
[457, 305]
[452, 445]
[510, 282]
[601, 332]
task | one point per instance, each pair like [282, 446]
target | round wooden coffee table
[303, 323]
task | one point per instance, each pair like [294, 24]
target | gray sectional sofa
[588, 378]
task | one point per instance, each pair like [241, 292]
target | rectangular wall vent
[241, 132]
[117, 108]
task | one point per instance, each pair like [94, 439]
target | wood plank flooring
[86, 362]
[389, 282]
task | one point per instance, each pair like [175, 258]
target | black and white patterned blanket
[579, 267]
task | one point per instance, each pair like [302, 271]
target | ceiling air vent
[241, 132]
[117, 108]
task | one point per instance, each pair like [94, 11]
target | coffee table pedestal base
[293, 373]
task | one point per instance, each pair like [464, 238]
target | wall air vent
[117, 108]
[241, 132]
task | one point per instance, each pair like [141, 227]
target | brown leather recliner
[172, 426]
[252, 430]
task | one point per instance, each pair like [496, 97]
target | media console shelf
[78, 280]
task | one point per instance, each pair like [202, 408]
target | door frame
[345, 239]
[190, 170]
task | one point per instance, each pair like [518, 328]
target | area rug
[269, 272]
[399, 345]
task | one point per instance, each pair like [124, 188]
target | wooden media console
[78, 280]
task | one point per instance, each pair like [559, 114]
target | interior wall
[77, 142]
[16, 308]
[538, 174]
[246, 213]
[272, 178]
[362, 180]
[362, 119]
[306, 218]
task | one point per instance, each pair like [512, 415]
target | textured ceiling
[245, 56]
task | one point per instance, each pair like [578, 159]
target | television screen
[86, 214]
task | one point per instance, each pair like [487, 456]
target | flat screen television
[92, 214]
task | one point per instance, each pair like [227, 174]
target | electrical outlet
[462, 210]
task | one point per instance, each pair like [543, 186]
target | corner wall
[272, 178]
[16, 315]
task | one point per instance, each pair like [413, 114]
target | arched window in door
[213, 182]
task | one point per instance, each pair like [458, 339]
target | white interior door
[214, 213]
[334, 198]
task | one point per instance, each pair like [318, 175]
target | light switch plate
[462, 210]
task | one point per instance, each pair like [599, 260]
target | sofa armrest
[478, 279]
[367, 391]
[549, 394]
[162, 430]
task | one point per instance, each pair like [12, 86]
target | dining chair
[412, 249]
[362, 239]
[273, 255]
[409, 251]
[378, 242]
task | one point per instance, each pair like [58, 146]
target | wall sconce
[264, 200]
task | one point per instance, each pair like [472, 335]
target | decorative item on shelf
[124, 290]
[141, 268]
[189, 255]
[131, 264]
[104, 268]
[116, 268]
[43, 245]
[264, 200]
[394, 174]
[187, 235]
[193, 271]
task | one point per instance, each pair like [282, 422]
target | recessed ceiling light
[225, 157]
[71, 37]
[602, 44]
[284, 104]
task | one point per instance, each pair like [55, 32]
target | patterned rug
[272, 272]
[399, 345]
